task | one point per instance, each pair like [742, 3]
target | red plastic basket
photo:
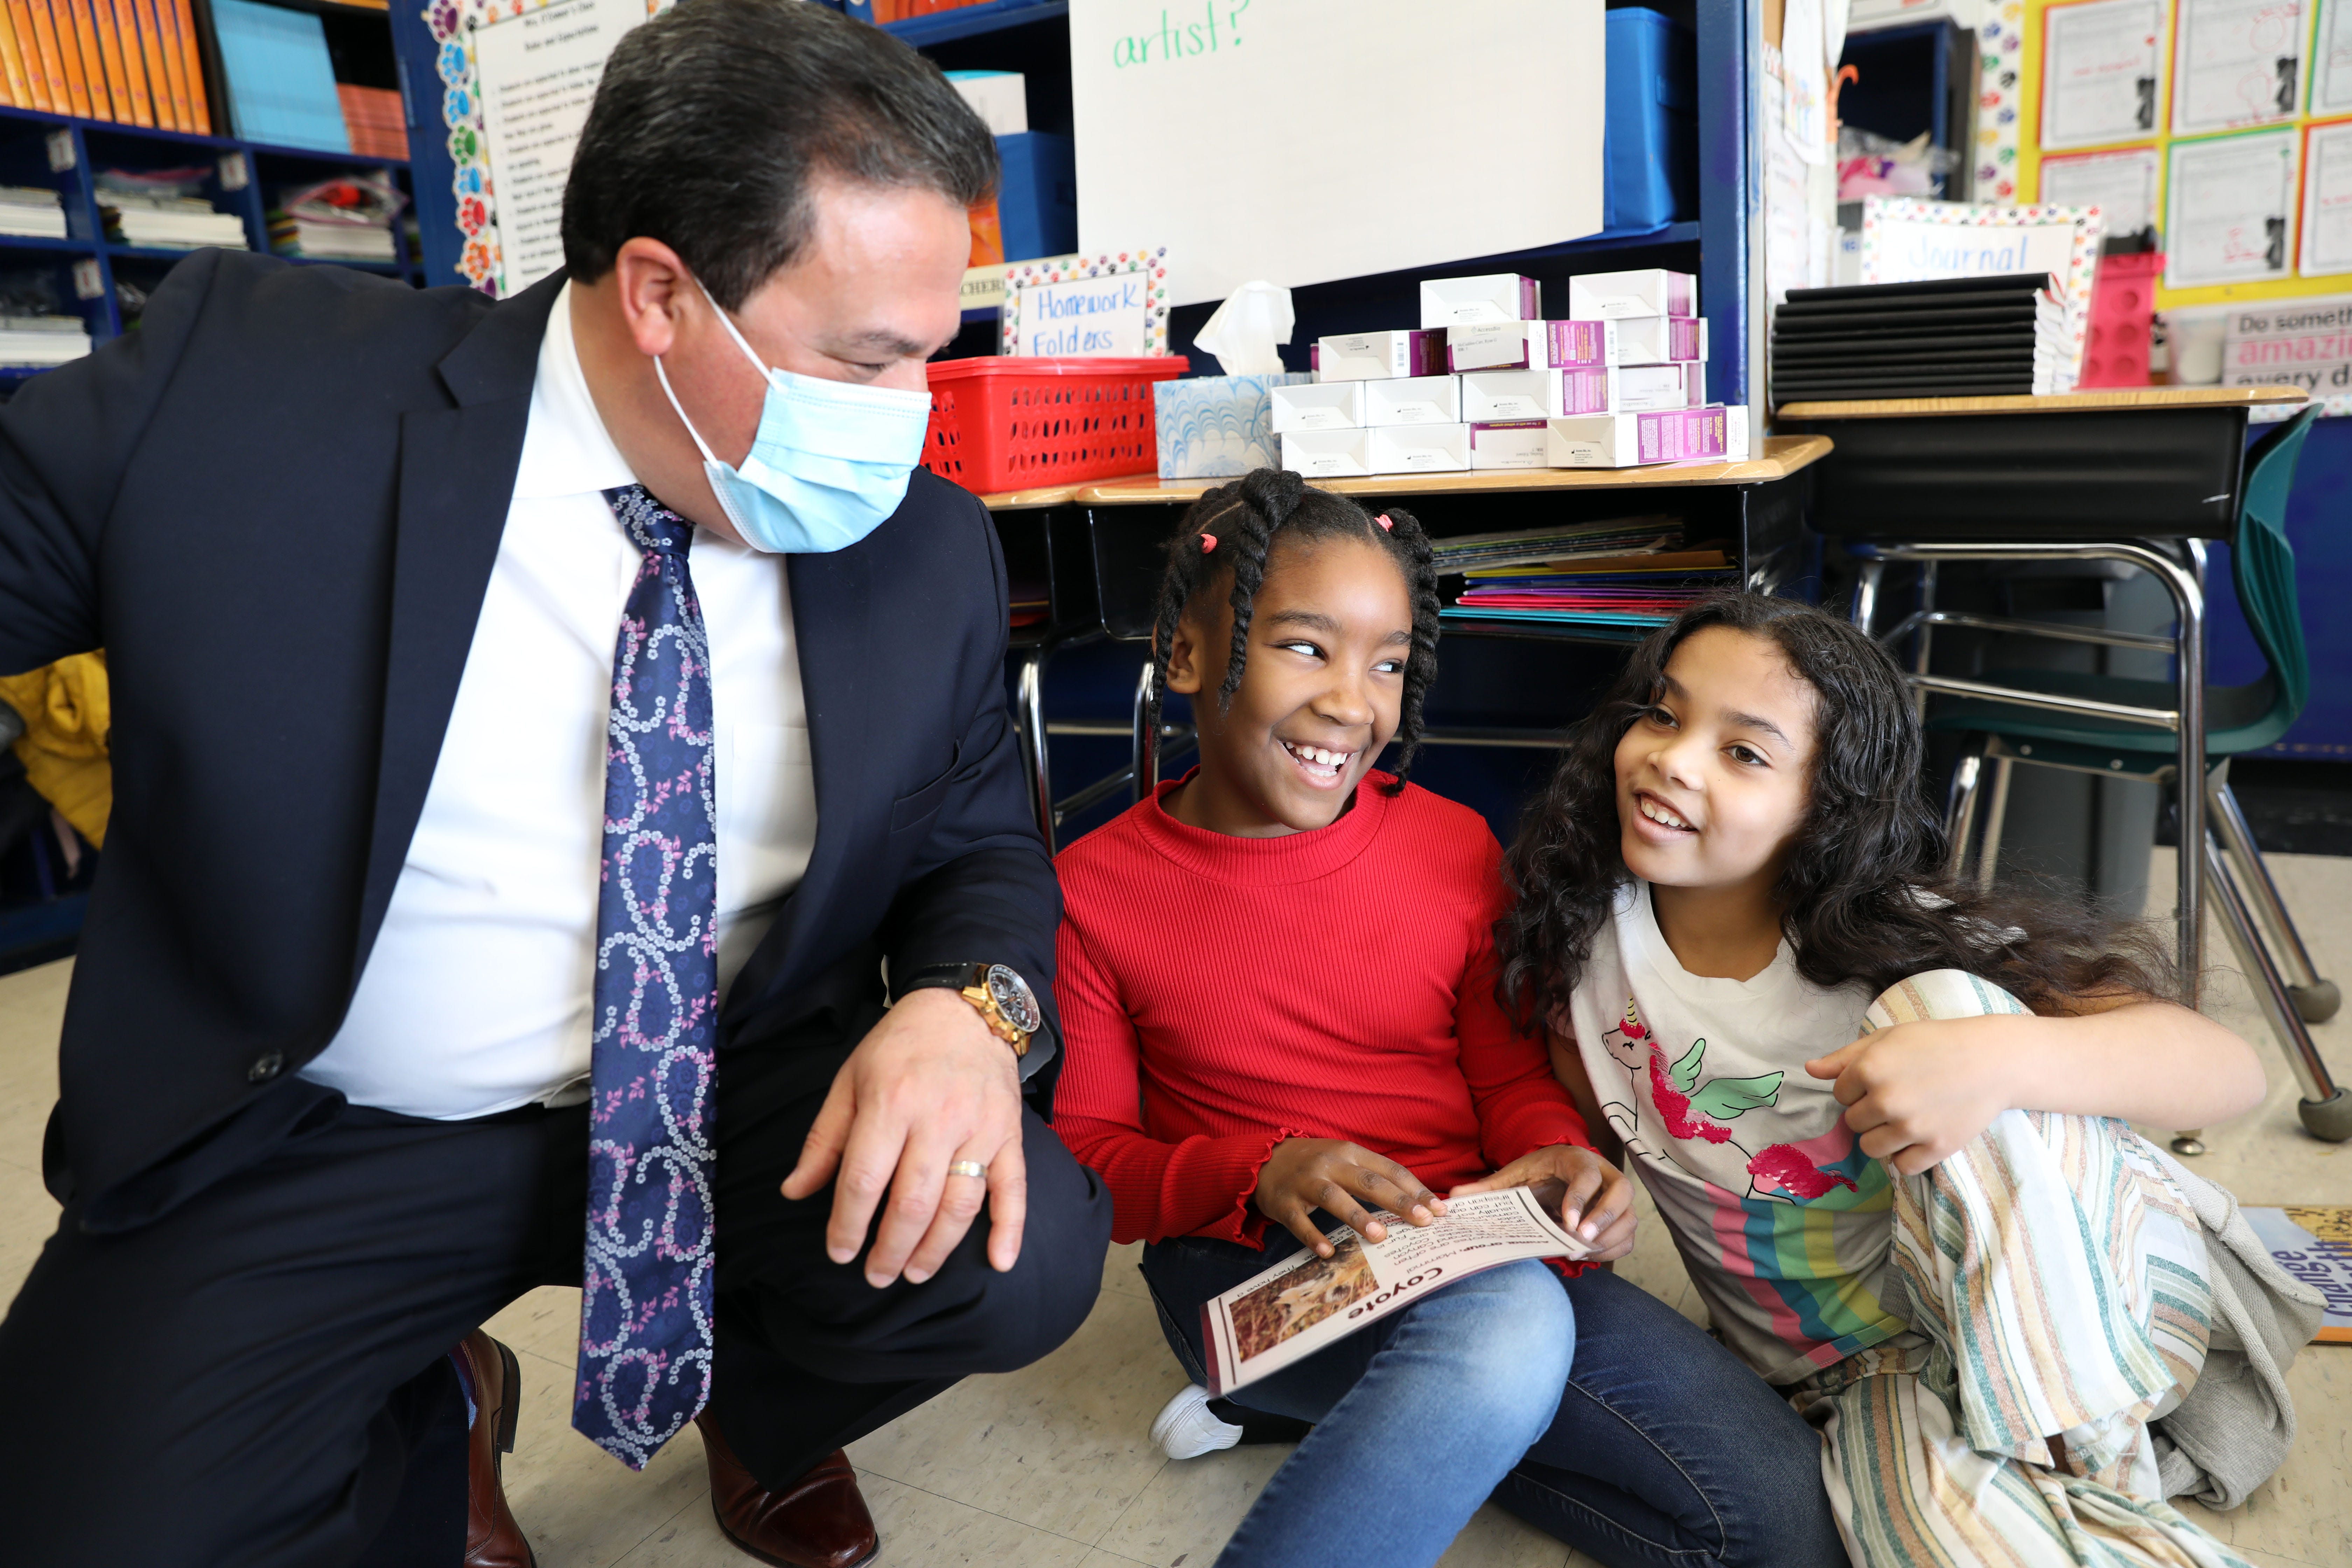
[1008, 422]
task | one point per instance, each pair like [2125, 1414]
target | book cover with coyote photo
[1305, 1302]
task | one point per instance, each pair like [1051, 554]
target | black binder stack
[1957, 337]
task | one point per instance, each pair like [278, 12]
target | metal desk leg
[1865, 594]
[1029, 720]
[2326, 1109]
[1922, 640]
[1145, 748]
[2188, 783]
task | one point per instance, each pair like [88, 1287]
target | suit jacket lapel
[456, 483]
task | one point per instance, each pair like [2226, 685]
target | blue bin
[1037, 201]
[1650, 150]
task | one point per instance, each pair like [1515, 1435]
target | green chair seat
[2238, 718]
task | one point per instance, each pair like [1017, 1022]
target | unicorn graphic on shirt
[1693, 1110]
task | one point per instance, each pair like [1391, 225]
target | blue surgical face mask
[829, 462]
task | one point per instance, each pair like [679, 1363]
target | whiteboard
[1301, 141]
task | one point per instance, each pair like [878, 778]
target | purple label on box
[1679, 434]
[1426, 356]
[1531, 300]
[1583, 391]
[1505, 425]
[1575, 343]
[1682, 337]
[1678, 293]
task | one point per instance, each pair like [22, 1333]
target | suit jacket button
[265, 1068]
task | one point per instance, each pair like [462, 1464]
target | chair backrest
[2261, 563]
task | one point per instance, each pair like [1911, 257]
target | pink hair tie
[1383, 521]
[1208, 543]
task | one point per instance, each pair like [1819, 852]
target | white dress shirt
[477, 996]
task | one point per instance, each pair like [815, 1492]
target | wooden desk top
[1781, 456]
[1048, 495]
[2104, 399]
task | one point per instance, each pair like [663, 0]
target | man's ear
[654, 291]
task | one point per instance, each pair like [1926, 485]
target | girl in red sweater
[1278, 1004]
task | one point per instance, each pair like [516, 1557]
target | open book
[1305, 1302]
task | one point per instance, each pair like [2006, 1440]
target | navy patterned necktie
[645, 1316]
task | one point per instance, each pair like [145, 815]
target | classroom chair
[2119, 727]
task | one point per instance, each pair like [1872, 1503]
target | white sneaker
[1187, 1428]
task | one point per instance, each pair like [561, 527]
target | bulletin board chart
[2227, 124]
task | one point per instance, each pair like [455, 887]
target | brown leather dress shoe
[493, 1538]
[818, 1521]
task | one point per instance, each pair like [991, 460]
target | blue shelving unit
[66, 153]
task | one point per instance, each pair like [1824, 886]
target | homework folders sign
[1114, 304]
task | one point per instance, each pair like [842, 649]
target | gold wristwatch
[996, 992]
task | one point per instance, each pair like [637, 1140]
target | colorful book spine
[12, 62]
[134, 65]
[102, 89]
[191, 66]
[28, 45]
[110, 51]
[64, 58]
[162, 69]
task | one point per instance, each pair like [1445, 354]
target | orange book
[36, 70]
[93, 60]
[171, 94]
[110, 53]
[191, 66]
[20, 85]
[64, 58]
[125, 20]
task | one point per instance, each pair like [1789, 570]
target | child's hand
[1572, 1183]
[1919, 1092]
[1331, 1174]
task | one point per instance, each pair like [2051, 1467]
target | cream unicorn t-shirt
[1783, 1221]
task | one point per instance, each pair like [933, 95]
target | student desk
[1097, 548]
[2139, 475]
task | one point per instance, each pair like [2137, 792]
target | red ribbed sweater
[1219, 995]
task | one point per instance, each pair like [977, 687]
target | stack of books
[36, 343]
[347, 218]
[373, 120]
[32, 211]
[1617, 578]
[162, 212]
[1958, 337]
[136, 62]
[281, 80]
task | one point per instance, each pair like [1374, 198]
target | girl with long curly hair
[1881, 1112]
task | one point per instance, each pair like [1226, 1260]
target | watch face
[1014, 999]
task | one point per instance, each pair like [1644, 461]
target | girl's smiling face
[1321, 693]
[1713, 782]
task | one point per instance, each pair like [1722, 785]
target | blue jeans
[1663, 1448]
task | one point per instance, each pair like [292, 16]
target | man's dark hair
[713, 119]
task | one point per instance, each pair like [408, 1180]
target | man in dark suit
[538, 729]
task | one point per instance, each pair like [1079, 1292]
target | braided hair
[1246, 518]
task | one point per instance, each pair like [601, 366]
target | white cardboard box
[1531, 346]
[1000, 98]
[1644, 388]
[1712, 434]
[1328, 453]
[1418, 448]
[1380, 356]
[1511, 444]
[1646, 291]
[1492, 395]
[1491, 296]
[1660, 340]
[1318, 405]
[1412, 400]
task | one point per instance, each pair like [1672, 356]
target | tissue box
[1412, 400]
[1646, 291]
[1328, 453]
[1674, 435]
[1469, 301]
[1216, 427]
[1418, 448]
[1319, 406]
[1489, 396]
[1000, 98]
[1511, 444]
[1660, 340]
[1380, 356]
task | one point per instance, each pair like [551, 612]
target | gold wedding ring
[969, 1168]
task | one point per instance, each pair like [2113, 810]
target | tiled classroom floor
[1053, 1466]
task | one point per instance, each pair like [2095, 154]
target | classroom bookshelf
[105, 283]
